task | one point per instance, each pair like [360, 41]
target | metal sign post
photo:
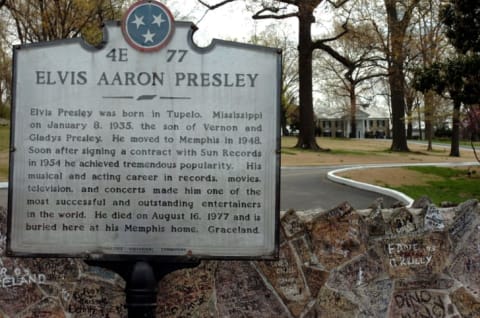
[142, 279]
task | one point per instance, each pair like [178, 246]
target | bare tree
[38, 20]
[429, 45]
[391, 20]
[399, 14]
[360, 63]
[303, 10]
[5, 83]
[274, 37]
[5, 66]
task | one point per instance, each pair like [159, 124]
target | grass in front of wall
[452, 184]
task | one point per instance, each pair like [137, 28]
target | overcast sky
[230, 22]
[233, 21]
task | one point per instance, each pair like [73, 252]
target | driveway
[308, 188]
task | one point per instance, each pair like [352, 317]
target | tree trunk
[306, 138]
[399, 138]
[283, 121]
[429, 100]
[409, 100]
[419, 114]
[455, 145]
[353, 112]
[397, 28]
[409, 125]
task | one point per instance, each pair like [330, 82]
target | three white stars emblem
[157, 19]
[148, 25]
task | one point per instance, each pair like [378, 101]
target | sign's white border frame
[115, 257]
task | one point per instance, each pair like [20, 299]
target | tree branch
[474, 150]
[367, 77]
[274, 16]
[321, 44]
[336, 37]
[214, 6]
[259, 15]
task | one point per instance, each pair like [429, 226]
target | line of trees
[393, 37]
[374, 48]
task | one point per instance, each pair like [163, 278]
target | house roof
[359, 114]
[370, 113]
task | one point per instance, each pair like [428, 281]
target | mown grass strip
[453, 185]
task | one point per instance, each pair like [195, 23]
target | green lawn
[453, 185]
[4, 138]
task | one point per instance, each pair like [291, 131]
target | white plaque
[164, 149]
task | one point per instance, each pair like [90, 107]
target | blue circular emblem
[148, 26]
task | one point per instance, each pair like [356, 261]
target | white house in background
[371, 123]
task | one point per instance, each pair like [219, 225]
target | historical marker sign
[146, 146]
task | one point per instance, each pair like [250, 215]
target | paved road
[308, 188]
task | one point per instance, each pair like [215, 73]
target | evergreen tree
[457, 77]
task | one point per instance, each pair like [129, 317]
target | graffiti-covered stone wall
[422, 261]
